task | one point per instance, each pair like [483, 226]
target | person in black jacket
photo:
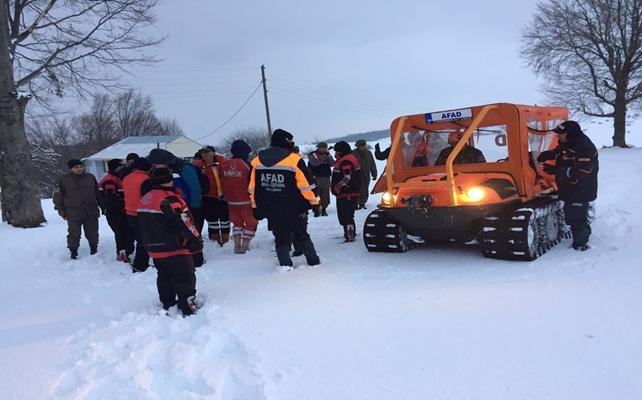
[112, 200]
[381, 155]
[320, 163]
[575, 169]
[467, 155]
[169, 234]
[282, 190]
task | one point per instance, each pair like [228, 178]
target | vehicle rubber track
[523, 233]
[382, 233]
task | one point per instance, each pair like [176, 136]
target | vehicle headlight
[387, 198]
[475, 193]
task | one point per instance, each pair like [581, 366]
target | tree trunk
[619, 122]
[20, 201]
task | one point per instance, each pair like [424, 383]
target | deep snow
[438, 322]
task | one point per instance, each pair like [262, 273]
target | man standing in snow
[235, 176]
[346, 182]
[575, 170]
[368, 168]
[320, 163]
[113, 203]
[169, 234]
[281, 189]
[75, 197]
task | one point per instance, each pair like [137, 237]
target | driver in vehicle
[467, 155]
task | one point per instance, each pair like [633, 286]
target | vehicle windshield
[425, 148]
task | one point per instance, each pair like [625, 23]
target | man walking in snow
[281, 189]
[75, 197]
[575, 170]
[169, 234]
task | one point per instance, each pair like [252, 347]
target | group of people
[157, 205]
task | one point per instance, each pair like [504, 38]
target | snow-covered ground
[438, 322]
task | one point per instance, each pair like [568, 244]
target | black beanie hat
[142, 164]
[113, 164]
[571, 128]
[73, 162]
[281, 138]
[161, 156]
[132, 157]
[240, 149]
[159, 176]
[342, 147]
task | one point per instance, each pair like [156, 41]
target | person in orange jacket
[214, 207]
[132, 185]
[235, 177]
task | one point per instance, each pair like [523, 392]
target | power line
[233, 115]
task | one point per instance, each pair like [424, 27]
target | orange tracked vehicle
[470, 173]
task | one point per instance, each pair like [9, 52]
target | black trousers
[176, 281]
[288, 229]
[123, 234]
[345, 210]
[577, 217]
[216, 214]
[89, 225]
[141, 260]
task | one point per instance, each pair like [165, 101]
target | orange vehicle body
[447, 201]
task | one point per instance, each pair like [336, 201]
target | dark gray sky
[335, 67]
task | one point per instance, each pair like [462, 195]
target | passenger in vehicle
[467, 155]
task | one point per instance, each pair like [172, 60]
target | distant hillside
[368, 136]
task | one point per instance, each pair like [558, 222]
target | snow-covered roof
[140, 145]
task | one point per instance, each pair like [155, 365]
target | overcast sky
[334, 67]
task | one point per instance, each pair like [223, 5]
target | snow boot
[223, 238]
[74, 253]
[350, 233]
[283, 254]
[580, 247]
[324, 213]
[93, 249]
[238, 246]
[123, 256]
[310, 253]
[214, 236]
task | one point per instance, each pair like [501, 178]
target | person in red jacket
[132, 190]
[214, 208]
[346, 184]
[235, 177]
[112, 200]
[169, 234]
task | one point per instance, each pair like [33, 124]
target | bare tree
[590, 51]
[257, 138]
[135, 114]
[54, 47]
[96, 129]
[169, 126]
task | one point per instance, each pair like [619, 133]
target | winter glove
[377, 147]
[62, 214]
[546, 156]
[549, 169]
[257, 214]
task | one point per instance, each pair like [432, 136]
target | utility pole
[267, 107]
